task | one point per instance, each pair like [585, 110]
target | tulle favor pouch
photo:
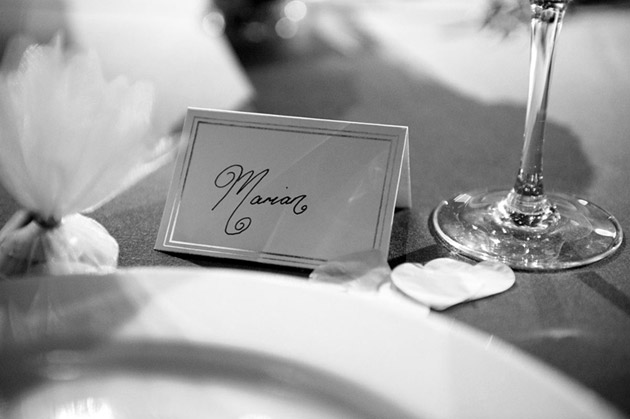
[69, 142]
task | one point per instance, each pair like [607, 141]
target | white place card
[284, 190]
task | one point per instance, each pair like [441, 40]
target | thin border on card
[306, 126]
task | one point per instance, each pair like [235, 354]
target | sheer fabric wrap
[70, 142]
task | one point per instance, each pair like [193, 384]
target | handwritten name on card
[282, 190]
[239, 182]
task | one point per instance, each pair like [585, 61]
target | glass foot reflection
[480, 225]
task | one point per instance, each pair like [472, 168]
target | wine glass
[525, 227]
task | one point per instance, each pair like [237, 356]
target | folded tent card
[284, 190]
[70, 142]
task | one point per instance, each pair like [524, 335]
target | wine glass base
[474, 224]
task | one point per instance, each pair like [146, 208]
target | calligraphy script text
[237, 182]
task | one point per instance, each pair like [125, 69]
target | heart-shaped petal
[444, 282]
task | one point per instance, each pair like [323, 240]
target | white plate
[198, 343]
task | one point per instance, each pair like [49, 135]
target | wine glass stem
[527, 203]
